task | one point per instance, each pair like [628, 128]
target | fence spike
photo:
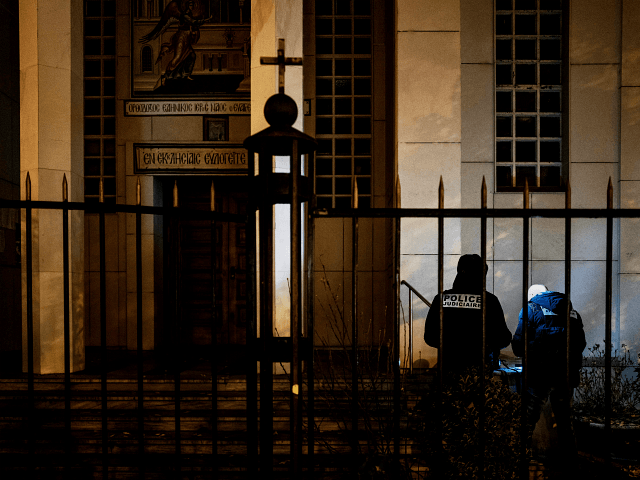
[213, 197]
[28, 187]
[355, 193]
[101, 190]
[441, 194]
[138, 192]
[610, 194]
[526, 193]
[65, 188]
[567, 195]
[483, 198]
[175, 194]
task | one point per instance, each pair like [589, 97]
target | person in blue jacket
[462, 322]
[547, 359]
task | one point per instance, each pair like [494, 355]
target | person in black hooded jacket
[462, 322]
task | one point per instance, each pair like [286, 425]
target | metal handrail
[412, 291]
[411, 288]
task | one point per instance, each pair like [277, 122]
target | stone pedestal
[51, 134]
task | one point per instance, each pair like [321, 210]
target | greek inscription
[201, 107]
[190, 158]
[178, 107]
[187, 107]
[143, 108]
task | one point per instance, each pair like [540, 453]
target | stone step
[332, 411]
[156, 466]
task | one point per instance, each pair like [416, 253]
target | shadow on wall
[421, 363]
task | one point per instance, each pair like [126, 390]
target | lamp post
[268, 188]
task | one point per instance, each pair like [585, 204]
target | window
[343, 44]
[529, 94]
[99, 100]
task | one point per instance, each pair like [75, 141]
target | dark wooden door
[196, 269]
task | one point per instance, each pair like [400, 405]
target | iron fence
[526, 213]
[259, 440]
[172, 213]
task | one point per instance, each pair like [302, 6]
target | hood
[470, 273]
[554, 301]
[468, 281]
[535, 290]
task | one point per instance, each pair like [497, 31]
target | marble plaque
[189, 158]
[139, 108]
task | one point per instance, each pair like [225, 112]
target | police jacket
[462, 324]
[547, 339]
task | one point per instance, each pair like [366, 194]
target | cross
[281, 61]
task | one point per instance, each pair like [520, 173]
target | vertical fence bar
[354, 325]
[483, 255]
[310, 249]
[440, 409]
[410, 331]
[214, 341]
[296, 313]
[396, 337]
[525, 330]
[29, 274]
[103, 337]
[252, 328]
[265, 239]
[410, 359]
[440, 284]
[607, 342]
[176, 331]
[567, 281]
[67, 336]
[139, 345]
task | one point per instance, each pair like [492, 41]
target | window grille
[529, 94]
[99, 99]
[343, 35]
[219, 11]
[146, 59]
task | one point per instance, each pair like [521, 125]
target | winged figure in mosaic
[188, 16]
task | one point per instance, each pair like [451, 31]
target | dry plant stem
[374, 401]
[625, 386]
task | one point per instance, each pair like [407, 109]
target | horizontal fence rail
[357, 389]
[474, 213]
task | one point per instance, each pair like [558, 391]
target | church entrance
[203, 247]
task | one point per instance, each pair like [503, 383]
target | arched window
[146, 59]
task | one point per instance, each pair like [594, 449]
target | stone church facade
[397, 94]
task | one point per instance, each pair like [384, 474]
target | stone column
[51, 133]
